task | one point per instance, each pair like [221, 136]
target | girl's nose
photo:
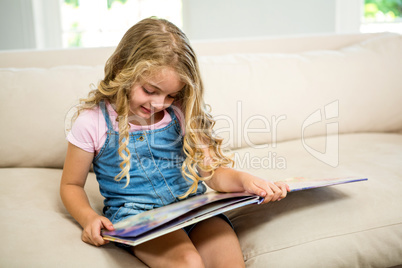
[157, 106]
[158, 103]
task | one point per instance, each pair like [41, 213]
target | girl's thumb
[108, 225]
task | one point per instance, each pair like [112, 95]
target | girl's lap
[217, 243]
[168, 250]
[194, 249]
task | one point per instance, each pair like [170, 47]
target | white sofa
[314, 106]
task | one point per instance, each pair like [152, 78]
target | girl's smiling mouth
[145, 110]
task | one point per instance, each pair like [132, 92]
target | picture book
[157, 222]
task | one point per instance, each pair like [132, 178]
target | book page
[302, 183]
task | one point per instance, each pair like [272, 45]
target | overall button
[141, 138]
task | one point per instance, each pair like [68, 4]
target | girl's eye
[171, 97]
[147, 91]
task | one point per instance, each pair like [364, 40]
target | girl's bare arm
[75, 172]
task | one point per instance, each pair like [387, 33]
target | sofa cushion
[267, 98]
[38, 230]
[34, 103]
[351, 225]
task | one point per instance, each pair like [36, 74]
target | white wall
[16, 25]
[249, 18]
[30, 24]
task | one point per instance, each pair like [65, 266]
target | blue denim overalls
[155, 171]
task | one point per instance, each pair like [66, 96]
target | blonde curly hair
[149, 46]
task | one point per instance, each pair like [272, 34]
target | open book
[157, 222]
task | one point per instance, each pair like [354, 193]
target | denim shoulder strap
[103, 108]
[171, 113]
[175, 120]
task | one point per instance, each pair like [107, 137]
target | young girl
[149, 137]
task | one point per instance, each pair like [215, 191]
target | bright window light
[98, 23]
[382, 16]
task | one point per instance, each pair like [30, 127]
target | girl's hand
[271, 191]
[92, 230]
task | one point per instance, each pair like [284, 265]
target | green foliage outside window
[75, 37]
[110, 2]
[76, 3]
[388, 8]
[73, 3]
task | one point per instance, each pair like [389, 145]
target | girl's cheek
[168, 103]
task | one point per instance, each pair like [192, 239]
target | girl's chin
[139, 117]
[140, 113]
[143, 117]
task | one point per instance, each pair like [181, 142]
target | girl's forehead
[165, 79]
[162, 75]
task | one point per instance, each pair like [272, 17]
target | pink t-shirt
[89, 130]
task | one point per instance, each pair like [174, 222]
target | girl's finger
[277, 191]
[285, 189]
[254, 188]
[107, 224]
[86, 238]
[271, 190]
[96, 237]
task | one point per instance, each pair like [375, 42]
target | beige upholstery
[280, 112]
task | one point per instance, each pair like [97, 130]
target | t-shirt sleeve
[85, 132]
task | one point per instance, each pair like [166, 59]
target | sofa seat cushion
[351, 225]
[39, 232]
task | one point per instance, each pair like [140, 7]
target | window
[382, 16]
[95, 23]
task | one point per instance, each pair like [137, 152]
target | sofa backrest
[265, 98]
[257, 97]
[98, 56]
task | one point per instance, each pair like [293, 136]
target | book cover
[157, 222]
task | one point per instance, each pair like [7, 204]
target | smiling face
[148, 99]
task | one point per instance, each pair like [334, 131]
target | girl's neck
[139, 121]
